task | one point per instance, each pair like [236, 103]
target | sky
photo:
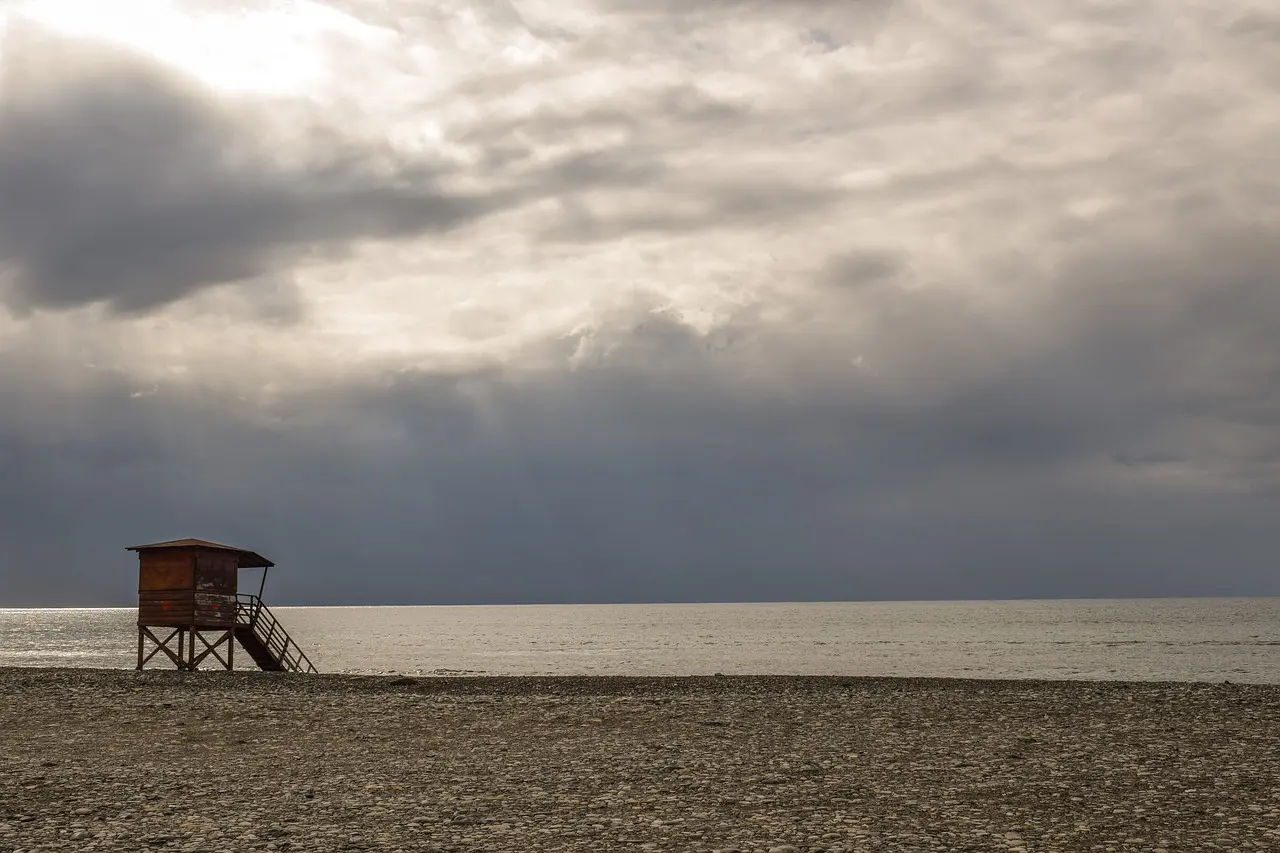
[517, 301]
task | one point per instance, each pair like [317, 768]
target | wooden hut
[190, 588]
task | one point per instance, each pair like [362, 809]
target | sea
[1182, 639]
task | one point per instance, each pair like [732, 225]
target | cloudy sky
[436, 301]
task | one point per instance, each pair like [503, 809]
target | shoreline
[460, 675]
[475, 680]
[94, 759]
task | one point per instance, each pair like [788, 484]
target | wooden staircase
[265, 639]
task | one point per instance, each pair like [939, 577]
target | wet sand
[118, 760]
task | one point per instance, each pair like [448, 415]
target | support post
[144, 633]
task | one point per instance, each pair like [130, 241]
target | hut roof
[248, 559]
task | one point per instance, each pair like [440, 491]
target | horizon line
[708, 603]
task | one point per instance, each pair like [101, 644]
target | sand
[118, 760]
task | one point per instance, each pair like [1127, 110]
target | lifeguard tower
[190, 588]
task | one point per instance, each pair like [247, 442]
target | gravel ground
[116, 760]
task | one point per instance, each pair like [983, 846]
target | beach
[120, 760]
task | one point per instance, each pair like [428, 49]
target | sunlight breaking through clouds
[276, 48]
[803, 268]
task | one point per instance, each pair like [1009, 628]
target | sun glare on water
[269, 47]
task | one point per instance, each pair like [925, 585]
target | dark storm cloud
[122, 183]
[1120, 440]
[1145, 345]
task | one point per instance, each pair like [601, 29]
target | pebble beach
[121, 760]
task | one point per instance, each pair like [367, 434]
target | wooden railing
[251, 612]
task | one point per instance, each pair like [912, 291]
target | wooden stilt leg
[227, 637]
[178, 646]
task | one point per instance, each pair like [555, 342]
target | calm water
[1157, 639]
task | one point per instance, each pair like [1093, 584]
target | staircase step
[261, 655]
[256, 627]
